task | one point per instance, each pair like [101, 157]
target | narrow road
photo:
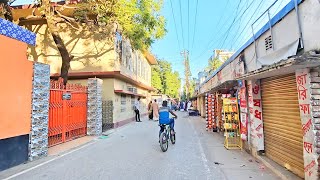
[133, 152]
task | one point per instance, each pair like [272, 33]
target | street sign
[66, 96]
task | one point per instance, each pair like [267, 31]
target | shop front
[223, 113]
[282, 124]
[280, 98]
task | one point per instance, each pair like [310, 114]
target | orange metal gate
[67, 112]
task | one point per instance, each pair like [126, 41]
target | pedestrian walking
[155, 109]
[150, 111]
[188, 106]
[137, 110]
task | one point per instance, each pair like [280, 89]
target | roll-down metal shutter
[282, 124]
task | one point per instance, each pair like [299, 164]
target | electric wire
[175, 24]
[181, 24]
[195, 25]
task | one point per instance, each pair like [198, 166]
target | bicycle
[165, 135]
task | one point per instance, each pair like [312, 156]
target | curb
[280, 171]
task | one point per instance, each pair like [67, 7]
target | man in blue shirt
[164, 117]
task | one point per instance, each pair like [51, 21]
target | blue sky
[220, 24]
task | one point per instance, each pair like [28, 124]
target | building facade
[126, 73]
[275, 76]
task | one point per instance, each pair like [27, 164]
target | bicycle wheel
[163, 142]
[173, 138]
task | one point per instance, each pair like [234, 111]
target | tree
[169, 81]
[140, 21]
[156, 79]
[191, 90]
[214, 64]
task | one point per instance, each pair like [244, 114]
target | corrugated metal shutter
[282, 124]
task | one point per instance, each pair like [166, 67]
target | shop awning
[223, 87]
[129, 93]
[307, 60]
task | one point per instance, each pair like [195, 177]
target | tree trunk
[61, 47]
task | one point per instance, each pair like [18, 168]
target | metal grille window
[268, 42]
[133, 100]
[123, 99]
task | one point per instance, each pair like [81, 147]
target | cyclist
[164, 117]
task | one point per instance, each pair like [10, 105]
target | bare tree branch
[70, 19]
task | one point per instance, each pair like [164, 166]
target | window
[133, 100]
[268, 42]
[123, 99]
[138, 66]
[134, 62]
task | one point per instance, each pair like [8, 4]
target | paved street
[133, 152]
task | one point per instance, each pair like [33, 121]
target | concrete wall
[16, 94]
[16, 88]
[285, 32]
[134, 64]
[92, 49]
[107, 87]
[123, 112]
[310, 20]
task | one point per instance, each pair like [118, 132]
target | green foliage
[165, 80]
[156, 79]
[214, 64]
[191, 90]
[140, 20]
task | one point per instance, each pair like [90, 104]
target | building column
[308, 89]
[94, 115]
[38, 143]
[255, 116]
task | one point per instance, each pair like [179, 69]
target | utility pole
[185, 55]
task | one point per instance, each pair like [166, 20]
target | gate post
[64, 117]
[38, 143]
[94, 115]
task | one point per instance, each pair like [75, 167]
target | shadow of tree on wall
[88, 46]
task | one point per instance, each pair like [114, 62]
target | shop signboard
[238, 69]
[255, 109]
[309, 150]
[243, 109]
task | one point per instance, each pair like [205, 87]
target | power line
[239, 27]
[188, 23]
[248, 21]
[233, 22]
[221, 37]
[181, 23]
[195, 24]
[218, 24]
[175, 25]
[214, 36]
[237, 21]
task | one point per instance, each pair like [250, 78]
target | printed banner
[242, 96]
[255, 108]
[309, 154]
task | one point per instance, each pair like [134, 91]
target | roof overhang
[221, 87]
[284, 67]
[129, 93]
[107, 74]
[151, 59]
